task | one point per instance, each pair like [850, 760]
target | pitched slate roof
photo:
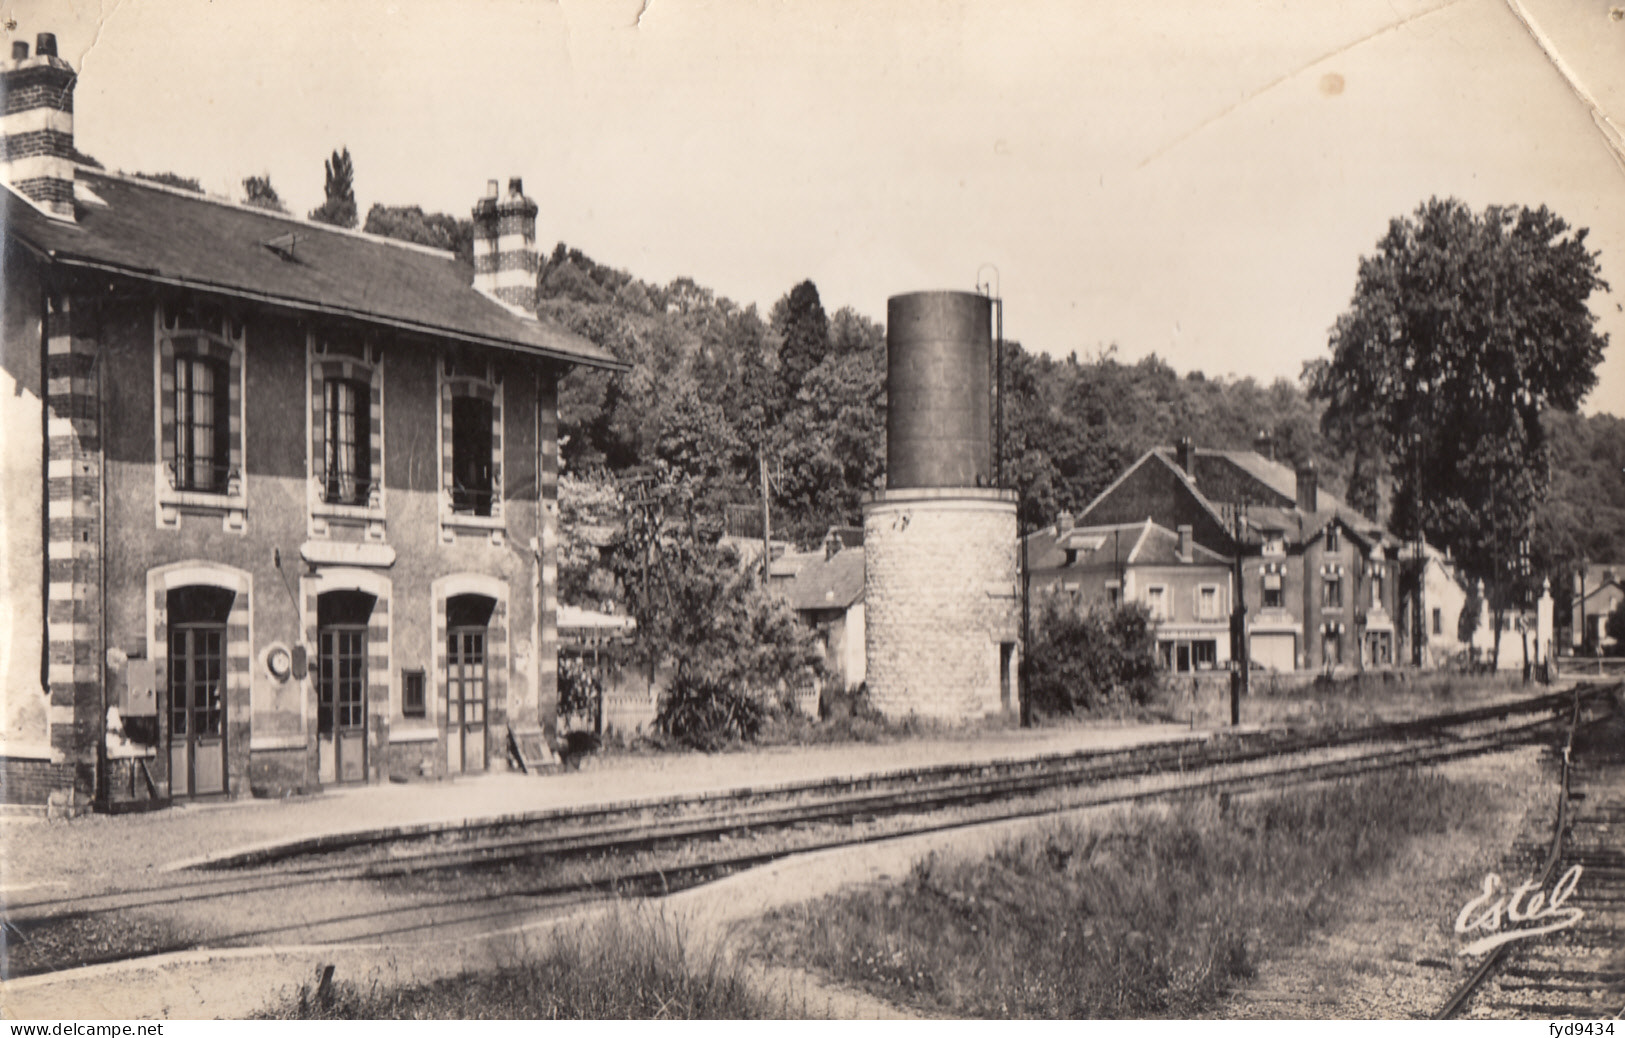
[1145, 543]
[816, 582]
[168, 236]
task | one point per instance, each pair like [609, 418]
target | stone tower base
[943, 603]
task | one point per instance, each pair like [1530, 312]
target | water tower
[943, 616]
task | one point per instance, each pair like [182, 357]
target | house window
[1205, 654]
[1331, 593]
[348, 463]
[471, 461]
[347, 436]
[1114, 595]
[470, 445]
[1333, 540]
[1376, 590]
[1272, 587]
[1156, 599]
[202, 424]
[414, 701]
[198, 423]
[1438, 621]
[1207, 603]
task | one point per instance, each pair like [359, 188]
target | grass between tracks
[1151, 912]
[634, 965]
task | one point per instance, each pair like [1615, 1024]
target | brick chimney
[36, 129]
[505, 256]
[1308, 487]
[1186, 454]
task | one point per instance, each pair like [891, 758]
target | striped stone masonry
[941, 600]
[506, 261]
[74, 542]
[547, 604]
[36, 131]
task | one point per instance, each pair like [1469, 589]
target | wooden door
[197, 709]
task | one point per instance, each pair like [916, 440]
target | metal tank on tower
[940, 544]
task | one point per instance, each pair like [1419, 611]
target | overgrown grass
[635, 966]
[1153, 912]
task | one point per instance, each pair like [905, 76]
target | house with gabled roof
[282, 497]
[1186, 587]
[1318, 578]
[825, 588]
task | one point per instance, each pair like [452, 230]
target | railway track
[438, 880]
[1576, 973]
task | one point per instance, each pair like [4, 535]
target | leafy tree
[1079, 661]
[799, 317]
[258, 192]
[339, 208]
[172, 180]
[1464, 331]
[411, 223]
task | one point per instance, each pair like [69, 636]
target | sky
[1194, 178]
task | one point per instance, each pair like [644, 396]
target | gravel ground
[1391, 954]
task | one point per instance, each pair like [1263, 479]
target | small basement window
[414, 700]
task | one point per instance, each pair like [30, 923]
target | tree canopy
[258, 192]
[1466, 329]
[339, 207]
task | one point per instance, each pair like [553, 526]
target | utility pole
[1240, 677]
[767, 519]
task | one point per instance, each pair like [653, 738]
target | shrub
[707, 714]
[1085, 661]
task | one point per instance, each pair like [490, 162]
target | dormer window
[1333, 541]
[1274, 543]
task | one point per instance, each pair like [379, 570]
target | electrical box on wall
[140, 697]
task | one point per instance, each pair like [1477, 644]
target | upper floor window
[472, 463]
[1272, 598]
[1331, 592]
[1207, 602]
[470, 444]
[346, 435]
[1438, 621]
[1334, 539]
[349, 449]
[1376, 588]
[198, 376]
[202, 424]
[1156, 599]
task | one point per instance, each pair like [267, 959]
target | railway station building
[281, 503]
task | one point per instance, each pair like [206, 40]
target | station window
[414, 700]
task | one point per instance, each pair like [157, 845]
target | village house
[1317, 578]
[1598, 591]
[825, 588]
[281, 500]
[1187, 588]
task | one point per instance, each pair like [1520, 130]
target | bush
[1104, 657]
[708, 714]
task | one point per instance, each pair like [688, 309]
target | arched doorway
[341, 685]
[467, 685]
[197, 616]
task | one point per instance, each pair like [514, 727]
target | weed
[1154, 912]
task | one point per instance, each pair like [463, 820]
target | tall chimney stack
[505, 257]
[36, 125]
[1308, 487]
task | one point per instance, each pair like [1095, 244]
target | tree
[411, 223]
[1464, 331]
[799, 317]
[339, 208]
[258, 192]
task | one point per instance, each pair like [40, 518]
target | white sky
[1194, 178]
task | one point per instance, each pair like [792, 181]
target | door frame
[178, 667]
